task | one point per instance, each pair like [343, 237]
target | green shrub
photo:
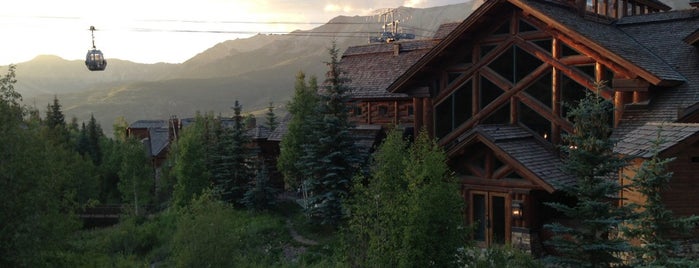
[496, 256]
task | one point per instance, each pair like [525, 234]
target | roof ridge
[653, 17]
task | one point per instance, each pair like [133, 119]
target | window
[485, 49]
[568, 51]
[454, 110]
[526, 27]
[534, 121]
[546, 44]
[541, 90]
[504, 28]
[383, 110]
[357, 110]
[489, 92]
[571, 94]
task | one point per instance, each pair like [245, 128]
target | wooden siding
[387, 112]
[682, 196]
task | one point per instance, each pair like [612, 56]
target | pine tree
[262, 195]
[241, 155]
[591, 241]
[230, 164]
[299, 127]
[655, 226]
[94, 134]
[56, 123]
[271, 117]
[332, 159]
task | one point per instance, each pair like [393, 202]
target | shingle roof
[372, 68]
[445, 29]
[366, 137]
[640, 141]
[663, 35]
[258, 132]
[523, 147]
[149, 124]
[159, 140]
[613, 38]
[281, 129]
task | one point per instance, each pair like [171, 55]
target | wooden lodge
[492, 89]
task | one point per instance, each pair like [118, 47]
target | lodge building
[494, 90]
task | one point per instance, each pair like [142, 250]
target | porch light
[517, 210]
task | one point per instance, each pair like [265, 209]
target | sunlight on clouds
[412, 3]
[337, 8]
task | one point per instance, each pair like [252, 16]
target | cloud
[334, 8]
[412, 3]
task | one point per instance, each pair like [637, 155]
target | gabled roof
[372, 68]
[620, 46]
[640, 141]
[528, 153]
[159, 140]
[282, 128]
[650, 46]
[258, 132]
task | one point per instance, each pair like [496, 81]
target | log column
[428, 117]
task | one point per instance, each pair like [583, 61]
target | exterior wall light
[517, 210]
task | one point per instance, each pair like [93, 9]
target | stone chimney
[396, 49]
[173, 128]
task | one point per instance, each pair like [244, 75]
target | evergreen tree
[332, 159]
[655, 226]
[301, 108]
[242, 172]
[94, 134]
[56, 123]
[262, 195]
[591, 241]
[231, 167]
[271, 117]
[408, 212]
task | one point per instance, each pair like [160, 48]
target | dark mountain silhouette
[255, 71]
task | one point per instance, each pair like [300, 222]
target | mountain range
[255, 71]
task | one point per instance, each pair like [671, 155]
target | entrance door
[489, 215]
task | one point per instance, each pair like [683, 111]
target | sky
[172, 31]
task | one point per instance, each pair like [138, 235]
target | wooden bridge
[102, 215]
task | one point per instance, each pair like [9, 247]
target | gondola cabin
[94, 60]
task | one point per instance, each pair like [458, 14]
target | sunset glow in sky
[149, 31]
